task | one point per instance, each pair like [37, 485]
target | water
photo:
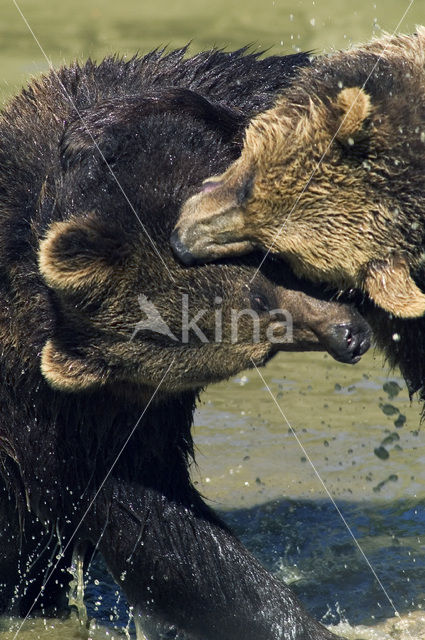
[273, 494]
[360, 441]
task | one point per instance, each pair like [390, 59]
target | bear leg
[391, 287]
[185, 573]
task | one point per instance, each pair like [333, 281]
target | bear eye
[259, 303]
[245, 189]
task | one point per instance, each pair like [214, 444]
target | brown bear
[332, 178]
[95, 162]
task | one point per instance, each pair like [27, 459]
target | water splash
[76, 589]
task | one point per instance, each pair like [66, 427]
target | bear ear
[354, 107]
[81, 253]
[392, 288]
[68, 372]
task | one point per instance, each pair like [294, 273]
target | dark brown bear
[332, 178]
[95, 162]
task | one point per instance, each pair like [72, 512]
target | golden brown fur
[332, 177]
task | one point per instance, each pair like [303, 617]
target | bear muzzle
[211, 226]
[347, 342]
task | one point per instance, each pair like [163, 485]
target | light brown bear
[332, 178]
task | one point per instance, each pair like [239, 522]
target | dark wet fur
[172, 556]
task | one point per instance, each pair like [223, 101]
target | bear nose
[180, 250]
[347, 342]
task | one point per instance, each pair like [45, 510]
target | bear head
[331, 178]
[126, 312]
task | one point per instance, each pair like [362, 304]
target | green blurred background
[82, 28]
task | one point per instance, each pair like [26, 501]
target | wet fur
[74, 386]
[360, 221]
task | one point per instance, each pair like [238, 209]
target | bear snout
[347, 342]
[180, 250]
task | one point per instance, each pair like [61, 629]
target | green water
[276, 491]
